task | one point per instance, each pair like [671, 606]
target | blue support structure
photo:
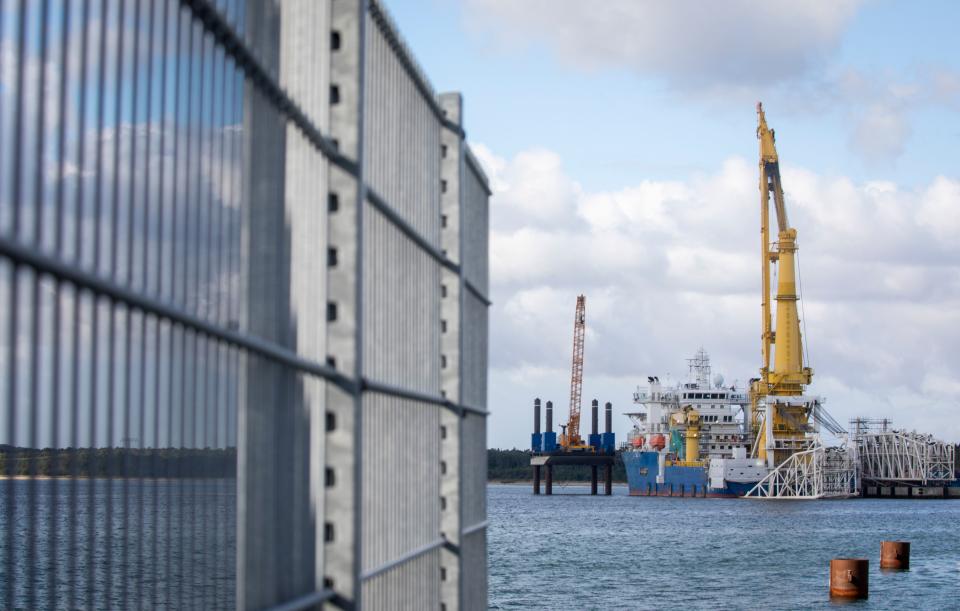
[609, 443]
[550, 441]
[536, 442]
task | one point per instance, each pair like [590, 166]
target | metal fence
[243, 318]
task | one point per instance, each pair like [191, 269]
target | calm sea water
[166, 544]
[574, 551]
[176, 548]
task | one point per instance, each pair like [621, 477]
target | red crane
[570, 439]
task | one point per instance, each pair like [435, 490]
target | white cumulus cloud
[668, 266]
[686, 42]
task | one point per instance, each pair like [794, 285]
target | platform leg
[608, 479]
[549, 485]
[593, 480]
[536, 479]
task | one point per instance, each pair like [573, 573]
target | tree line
[502, 465]
[119, 462]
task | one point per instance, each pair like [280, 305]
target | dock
[543, 465]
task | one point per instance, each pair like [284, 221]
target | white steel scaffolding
[816, 473]
[894, 456]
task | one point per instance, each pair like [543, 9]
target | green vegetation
[514, 465]
[119, 462]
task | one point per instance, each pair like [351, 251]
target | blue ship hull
[642, 469]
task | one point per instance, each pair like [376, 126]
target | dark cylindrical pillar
[549, 416]
[593, 480]
[608, 479]
[895, 555]
[609, 414]
[536, 416]
[849, 577]
[595, 406]
[549, 482]
[536, 479]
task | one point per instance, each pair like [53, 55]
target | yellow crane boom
[570, 438]
[788, 375]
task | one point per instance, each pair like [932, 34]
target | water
[569, 551]
[98, 544]
[574, 551]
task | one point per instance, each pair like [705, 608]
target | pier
[543, 465]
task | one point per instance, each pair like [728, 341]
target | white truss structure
[816, 473]
[892, 456]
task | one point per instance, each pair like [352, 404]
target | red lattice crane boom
[570, 439]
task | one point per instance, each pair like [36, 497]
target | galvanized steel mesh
[221, 286]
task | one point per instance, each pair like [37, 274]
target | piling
[549, 437]
[608, 408]
[608, 479]
[536, 479]
[549, 482]
[895, 555]
[536, 416]
[595, 407]
[536, 440]
[593, 480]
[849, 578]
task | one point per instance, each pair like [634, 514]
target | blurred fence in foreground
[243, 312]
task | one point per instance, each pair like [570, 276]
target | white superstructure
[723, 412]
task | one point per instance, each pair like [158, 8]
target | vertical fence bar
[15, 199]
[13, 455]
[146, 230]
[53, 543]
[361, 203]
[79, 210]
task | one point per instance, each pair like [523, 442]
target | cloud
[879, 105]
[687, 43]
[880, 134]
[668, 266]
[726, 55]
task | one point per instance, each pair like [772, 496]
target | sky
[620, 143]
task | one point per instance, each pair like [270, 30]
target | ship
[691, 439]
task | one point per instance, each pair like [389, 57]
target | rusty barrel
[849, 577]
[895, 555]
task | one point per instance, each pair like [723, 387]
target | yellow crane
[779, 423]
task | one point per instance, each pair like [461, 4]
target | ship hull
[643, 469]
